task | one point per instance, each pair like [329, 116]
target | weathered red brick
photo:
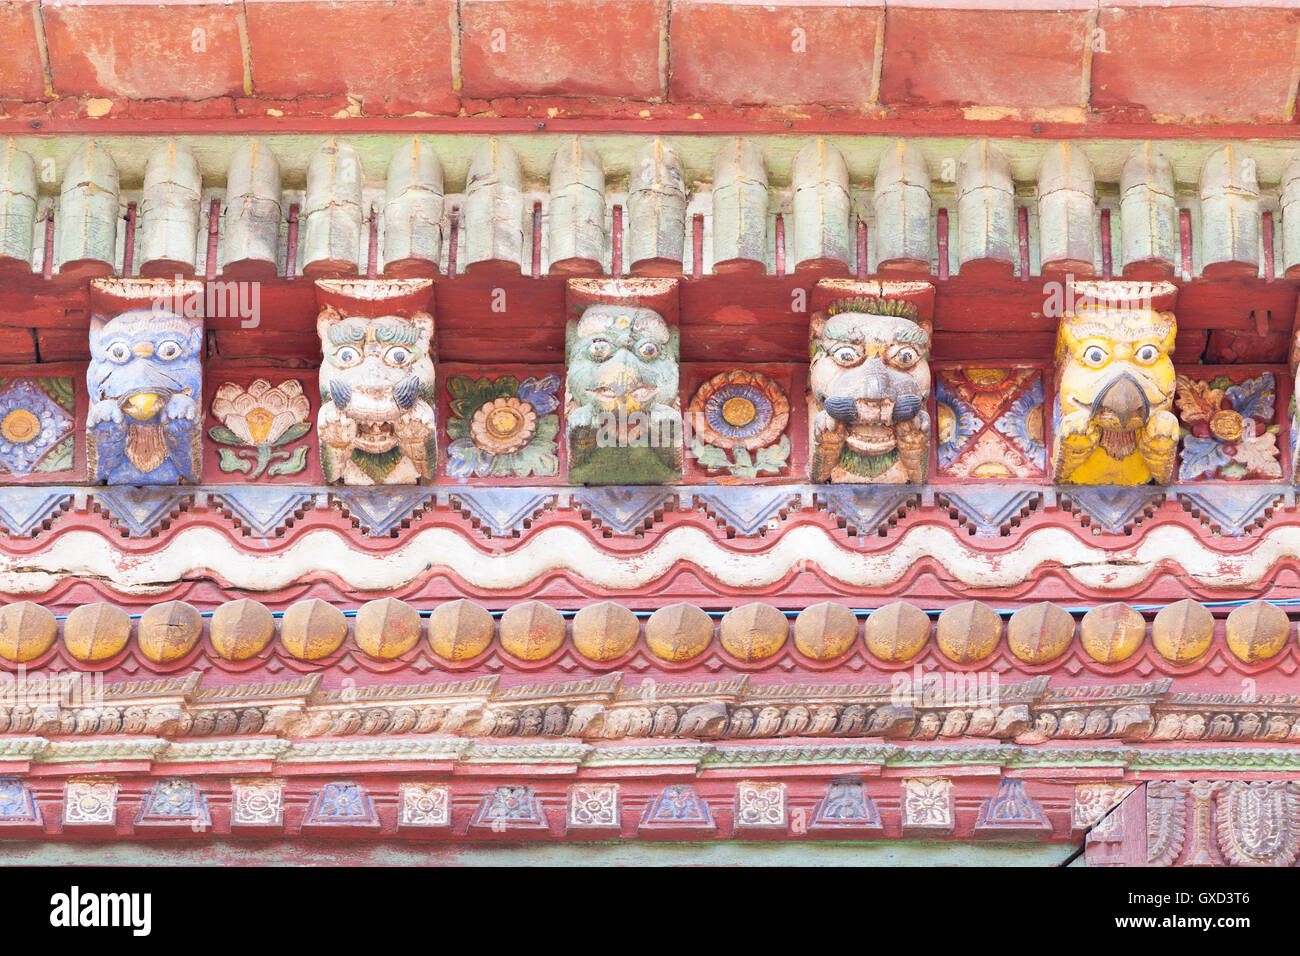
[568, 47]
[1192, 61]
[959, 53]
[368, 48]
[216, 106]
[774, 52]
[188, 51]
[20, 57]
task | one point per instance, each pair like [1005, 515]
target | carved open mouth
[870, 439]
[637, 396]
[375, 437]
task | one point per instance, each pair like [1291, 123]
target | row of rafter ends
[628, 511]
[315, 633]
[43, 716]
[645, 214]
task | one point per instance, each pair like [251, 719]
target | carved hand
[412, 428]
[1157, 443]
[181, 407]
[828, 441]
[338, 432]
[106, 410]
[1076, 438]
[913, 438]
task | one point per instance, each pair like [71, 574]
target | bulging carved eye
[1094, 355]
[119, 351]
[1147, 354]
[648, 350]
[347, 355]
[397, 355]
[845, 355]
[905, 357]
[600, 349]
[168, 350]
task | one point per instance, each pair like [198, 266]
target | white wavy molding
[87, 554]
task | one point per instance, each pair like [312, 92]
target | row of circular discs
[531, 631]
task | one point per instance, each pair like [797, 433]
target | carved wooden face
[622, 359]
[1115, 364]
[870, 372]
[374, 370]
[141, 358]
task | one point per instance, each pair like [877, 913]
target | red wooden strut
[780, 244]
[128, 254]
[1185, 241]
[864, 265]
[291, 253]
[616, 245]
[1270, 269]
[941, 240]
[697, 246]
[214, 228]
[1107, 266]
[537, 239]
[1023, 216]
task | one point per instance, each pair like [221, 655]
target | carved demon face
[1116, 385]
[374, 371]
[622, 360]
[376, 421]
[870, 379]
[1115, 365]
[144, 379]
[624, 416]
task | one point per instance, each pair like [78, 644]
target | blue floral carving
[20, 455]
[952, 411]
[1015, 422]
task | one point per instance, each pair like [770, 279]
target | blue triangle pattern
[1230, 510]
[623, 510]
[503, 512]
[1113, 508]
[865, 509]
[23, 510]
[746, 511]
[263, 510]
[989, 509]
[140, 509]
[379, 510]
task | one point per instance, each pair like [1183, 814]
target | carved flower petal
[239, 425]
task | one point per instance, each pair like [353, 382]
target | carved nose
[1125, 399]
[875, 381]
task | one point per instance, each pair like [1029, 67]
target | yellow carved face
[1115, 365]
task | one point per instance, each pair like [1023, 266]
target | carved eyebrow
[346, 334]
[397, 334]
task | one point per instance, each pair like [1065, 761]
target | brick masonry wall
[1068, 61]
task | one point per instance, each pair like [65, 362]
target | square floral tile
[502, 425]
[989, 422]
[1230, 424]
[41, 414]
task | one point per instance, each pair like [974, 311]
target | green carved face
[622, 360]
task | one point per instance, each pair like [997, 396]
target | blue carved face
[140, 359]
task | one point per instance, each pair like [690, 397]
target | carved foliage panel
[1230, 423]
[502, 425]
[259, 425]
[41, 411]
[741, 422]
